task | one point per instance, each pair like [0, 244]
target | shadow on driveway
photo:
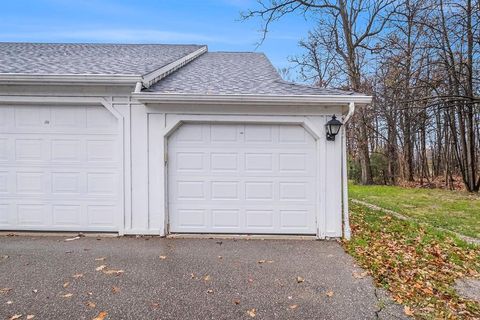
[194, 279]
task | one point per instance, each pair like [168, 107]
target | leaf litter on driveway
[103, 268]
[252, 312]
[101, 316]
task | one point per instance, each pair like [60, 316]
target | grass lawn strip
[397, 215]
[456, 211]
[416, 263]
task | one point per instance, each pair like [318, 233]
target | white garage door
[59, 168]
[239, 178]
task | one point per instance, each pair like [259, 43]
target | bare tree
[420, 59]
[347, 30]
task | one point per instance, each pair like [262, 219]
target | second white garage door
[239, 178]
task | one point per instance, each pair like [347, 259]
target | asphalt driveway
[154, 278]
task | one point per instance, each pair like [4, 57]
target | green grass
[453, 210]
[417, 263]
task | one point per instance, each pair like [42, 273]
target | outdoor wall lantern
[333, 127]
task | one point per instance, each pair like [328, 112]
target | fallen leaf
[77, 275]
[71, 239]
[100, 259]
[163, 257]
[210, 291]
[264, 261]
[15, 316]
[408, 311]
[300, 279]
[330, 293]
[90, 304]
[293, 306]
[113, 271]
[236, 301]
[67, 295]
[66, 284]
[101, 316]
[252, 312]
[115, 289]
[100, 268]
[30, 316]
[398, 300]
[5, 290]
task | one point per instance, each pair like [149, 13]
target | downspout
[346, 219]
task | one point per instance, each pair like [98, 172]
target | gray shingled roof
[52, 58]
[233, 73]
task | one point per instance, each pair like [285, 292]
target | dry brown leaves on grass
[417, 265]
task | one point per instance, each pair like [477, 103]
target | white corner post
[346, 219]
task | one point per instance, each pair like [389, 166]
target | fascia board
[166, 98]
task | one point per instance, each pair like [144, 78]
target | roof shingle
[91, 59]
[217, 73]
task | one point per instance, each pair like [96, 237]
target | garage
[60, 168]
[157, 139]
[242, 178]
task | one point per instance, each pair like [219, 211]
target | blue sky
[212, 22]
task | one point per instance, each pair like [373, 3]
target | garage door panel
[4, 182]
[4, 214]
[256, 183]
[68, 117]
[31, 214]
[66, 150]
[225, 190]
[254, 219]
[224, 133]
[224, 161]
[102, 150]
[293, 135]
[30, 117]
[255, 134]
[4, 149]
[61, 169]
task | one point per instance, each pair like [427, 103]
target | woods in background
[420, 60]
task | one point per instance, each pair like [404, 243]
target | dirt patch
[468, 288]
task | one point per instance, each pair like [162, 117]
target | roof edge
[238, 99]
[36, 78]
[153, 77]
